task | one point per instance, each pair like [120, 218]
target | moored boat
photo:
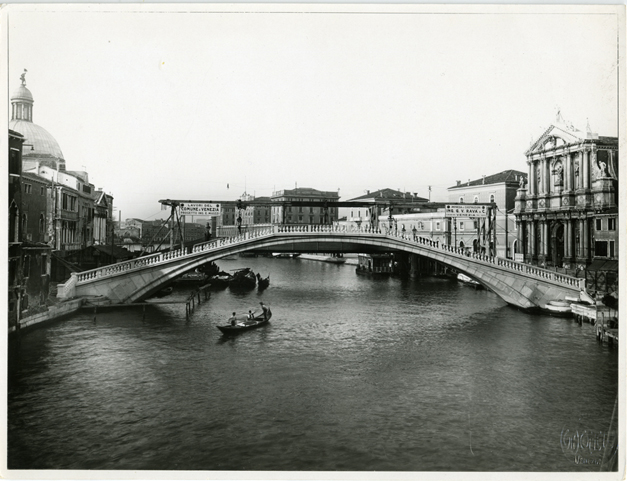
[243, 279]
[194, 277]
[220, 281]
[374, 265]
[558, 308]
[467, 281]
[330, 258]
[236, 326]
[262, 283]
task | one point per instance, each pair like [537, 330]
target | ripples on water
[352, 374]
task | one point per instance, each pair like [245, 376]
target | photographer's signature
[587, 446]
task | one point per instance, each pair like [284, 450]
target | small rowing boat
[237, 326]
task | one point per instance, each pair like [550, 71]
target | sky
[207, 105]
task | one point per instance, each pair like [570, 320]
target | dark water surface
[351, 373]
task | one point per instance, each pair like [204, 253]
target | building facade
[360, 215]
[567, 212]
[283, 213]
[29, 256]
[499, 190]
[60, 207]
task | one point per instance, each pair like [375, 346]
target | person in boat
[233, 319]
[265, 310]
[251, 315]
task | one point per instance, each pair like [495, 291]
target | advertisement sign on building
[463, 210]
[199, 208]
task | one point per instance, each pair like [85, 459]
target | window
[475, 224]
[461, 226]
[492, 198]
[28, 188]
[42, 223]
[611, 223]
[461, 200]
[44, 265]
[476, 200]
[26, 266]
[437, 226]
[600, 248]
[598, 224]
[300, 218]
[612, 249]
[42, 190]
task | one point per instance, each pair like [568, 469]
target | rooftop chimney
[483, 181]
[459, 182]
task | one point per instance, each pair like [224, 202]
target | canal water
[352, 373]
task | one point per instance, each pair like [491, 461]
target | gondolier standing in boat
[233, 319]
[265, 310]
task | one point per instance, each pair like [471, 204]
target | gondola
[243, 279]
[245, 325]
[220, 282]
[262, 283]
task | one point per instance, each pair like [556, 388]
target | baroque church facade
[567, 213]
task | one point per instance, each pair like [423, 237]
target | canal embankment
[51, 313]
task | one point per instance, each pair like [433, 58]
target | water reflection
[351, 373]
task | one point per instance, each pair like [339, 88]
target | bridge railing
[505, 263]
[248, 235]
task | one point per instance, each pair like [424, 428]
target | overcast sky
[179, 105]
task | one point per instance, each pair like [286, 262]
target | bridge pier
[414, 262]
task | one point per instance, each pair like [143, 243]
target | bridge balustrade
[214, 244]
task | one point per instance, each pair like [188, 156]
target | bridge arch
[517, 284]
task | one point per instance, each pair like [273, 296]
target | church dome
[39, 147]
[22, 93]
[38, 141]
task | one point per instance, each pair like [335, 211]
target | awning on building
[603, 265]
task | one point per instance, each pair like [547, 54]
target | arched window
[42, 223]
[14, 223]
[24, 224]
[492, 198]
[476, 200]
[461, 200]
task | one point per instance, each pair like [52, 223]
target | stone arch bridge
[518, 284]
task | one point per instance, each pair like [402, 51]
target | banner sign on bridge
[466, 210]
[199, 208]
